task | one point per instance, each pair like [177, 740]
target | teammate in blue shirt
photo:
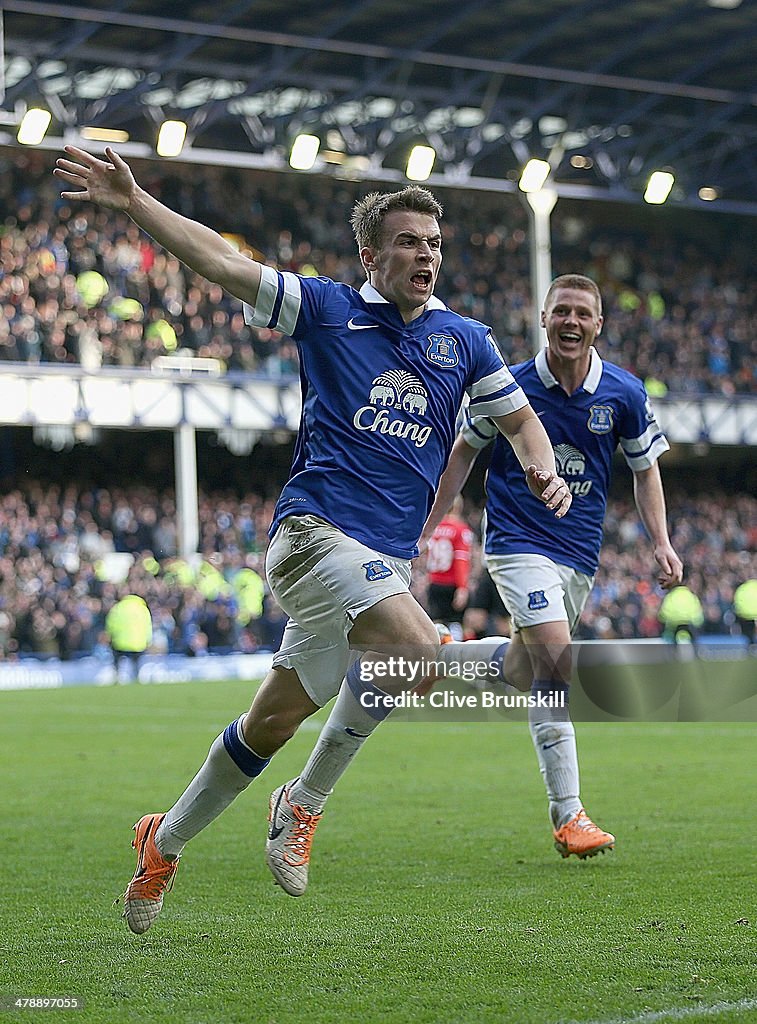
[544, 569]
[384, 373]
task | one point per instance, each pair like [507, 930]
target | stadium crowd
[67, 555]
[85, 286]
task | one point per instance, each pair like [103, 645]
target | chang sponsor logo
[571, 463]
[392, 392]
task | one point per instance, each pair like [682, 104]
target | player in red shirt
[448, 563]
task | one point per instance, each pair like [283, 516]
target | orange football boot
[581, 836]
[153, 878]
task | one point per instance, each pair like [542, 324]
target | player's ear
[543, 318]
[368, 258]
[600, 321]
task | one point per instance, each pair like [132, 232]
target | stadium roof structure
[606, 90]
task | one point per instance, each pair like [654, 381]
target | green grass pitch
[436, 895]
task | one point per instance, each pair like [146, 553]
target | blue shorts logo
[376, 570]
[442, 350]
[537, 600]
[600, 419]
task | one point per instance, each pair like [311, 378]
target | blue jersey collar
[548, 379]
[369, 294]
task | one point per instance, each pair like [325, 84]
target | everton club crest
[600, 419]
[376, 570]
[442, 350]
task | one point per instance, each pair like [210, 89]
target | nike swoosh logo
[541, 413]
[548, 746]
[357, 735]
[360, 327]
[273, 831]
[140, 866]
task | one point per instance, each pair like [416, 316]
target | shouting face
[405, 267]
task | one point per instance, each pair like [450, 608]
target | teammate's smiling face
[572, 321]
[405, 268]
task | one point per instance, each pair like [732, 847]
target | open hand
[109, 183]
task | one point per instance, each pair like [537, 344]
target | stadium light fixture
[304, 152]
[533, 176]
[94, 134]
[34, 125]
[543, 201]
[709, 194]
[420, 163]
[171, 138]
[658, 187]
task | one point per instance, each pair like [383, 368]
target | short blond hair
[368, 213]
[579, 281]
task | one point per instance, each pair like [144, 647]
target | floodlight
[171, 138]
[534, 174]
[543, 201]
[111, 135]
[420, 163]
[34, 124]
[658, 187]
[304, 152]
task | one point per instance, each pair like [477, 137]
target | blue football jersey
[380, 401]
[610, 408]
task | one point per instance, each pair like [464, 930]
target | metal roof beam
[377, 81]
[279, 64]
[352, 48]
[648, 103]
[66, 45]
[182, 48]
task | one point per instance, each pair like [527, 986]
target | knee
[280, 726]
[266, 733]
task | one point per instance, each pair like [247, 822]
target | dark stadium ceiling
[606, 91]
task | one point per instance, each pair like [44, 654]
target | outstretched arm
[110, 183]
[533, 449]
[453, 479]
[650, 503]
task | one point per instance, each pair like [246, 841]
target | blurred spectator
[129, 627]
[486, 614]
[56, 590]
[84, 286]
[745, 609]
[448, 564]
[681, 615]
[249, 589]
[198, 645]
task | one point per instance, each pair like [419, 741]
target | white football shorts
[535, 589]
[323, 580]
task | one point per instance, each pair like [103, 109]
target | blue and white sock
[489, 651]
[347, 728]
[229, 768]
[554, 740]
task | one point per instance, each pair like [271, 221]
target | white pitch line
[677, 1013]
